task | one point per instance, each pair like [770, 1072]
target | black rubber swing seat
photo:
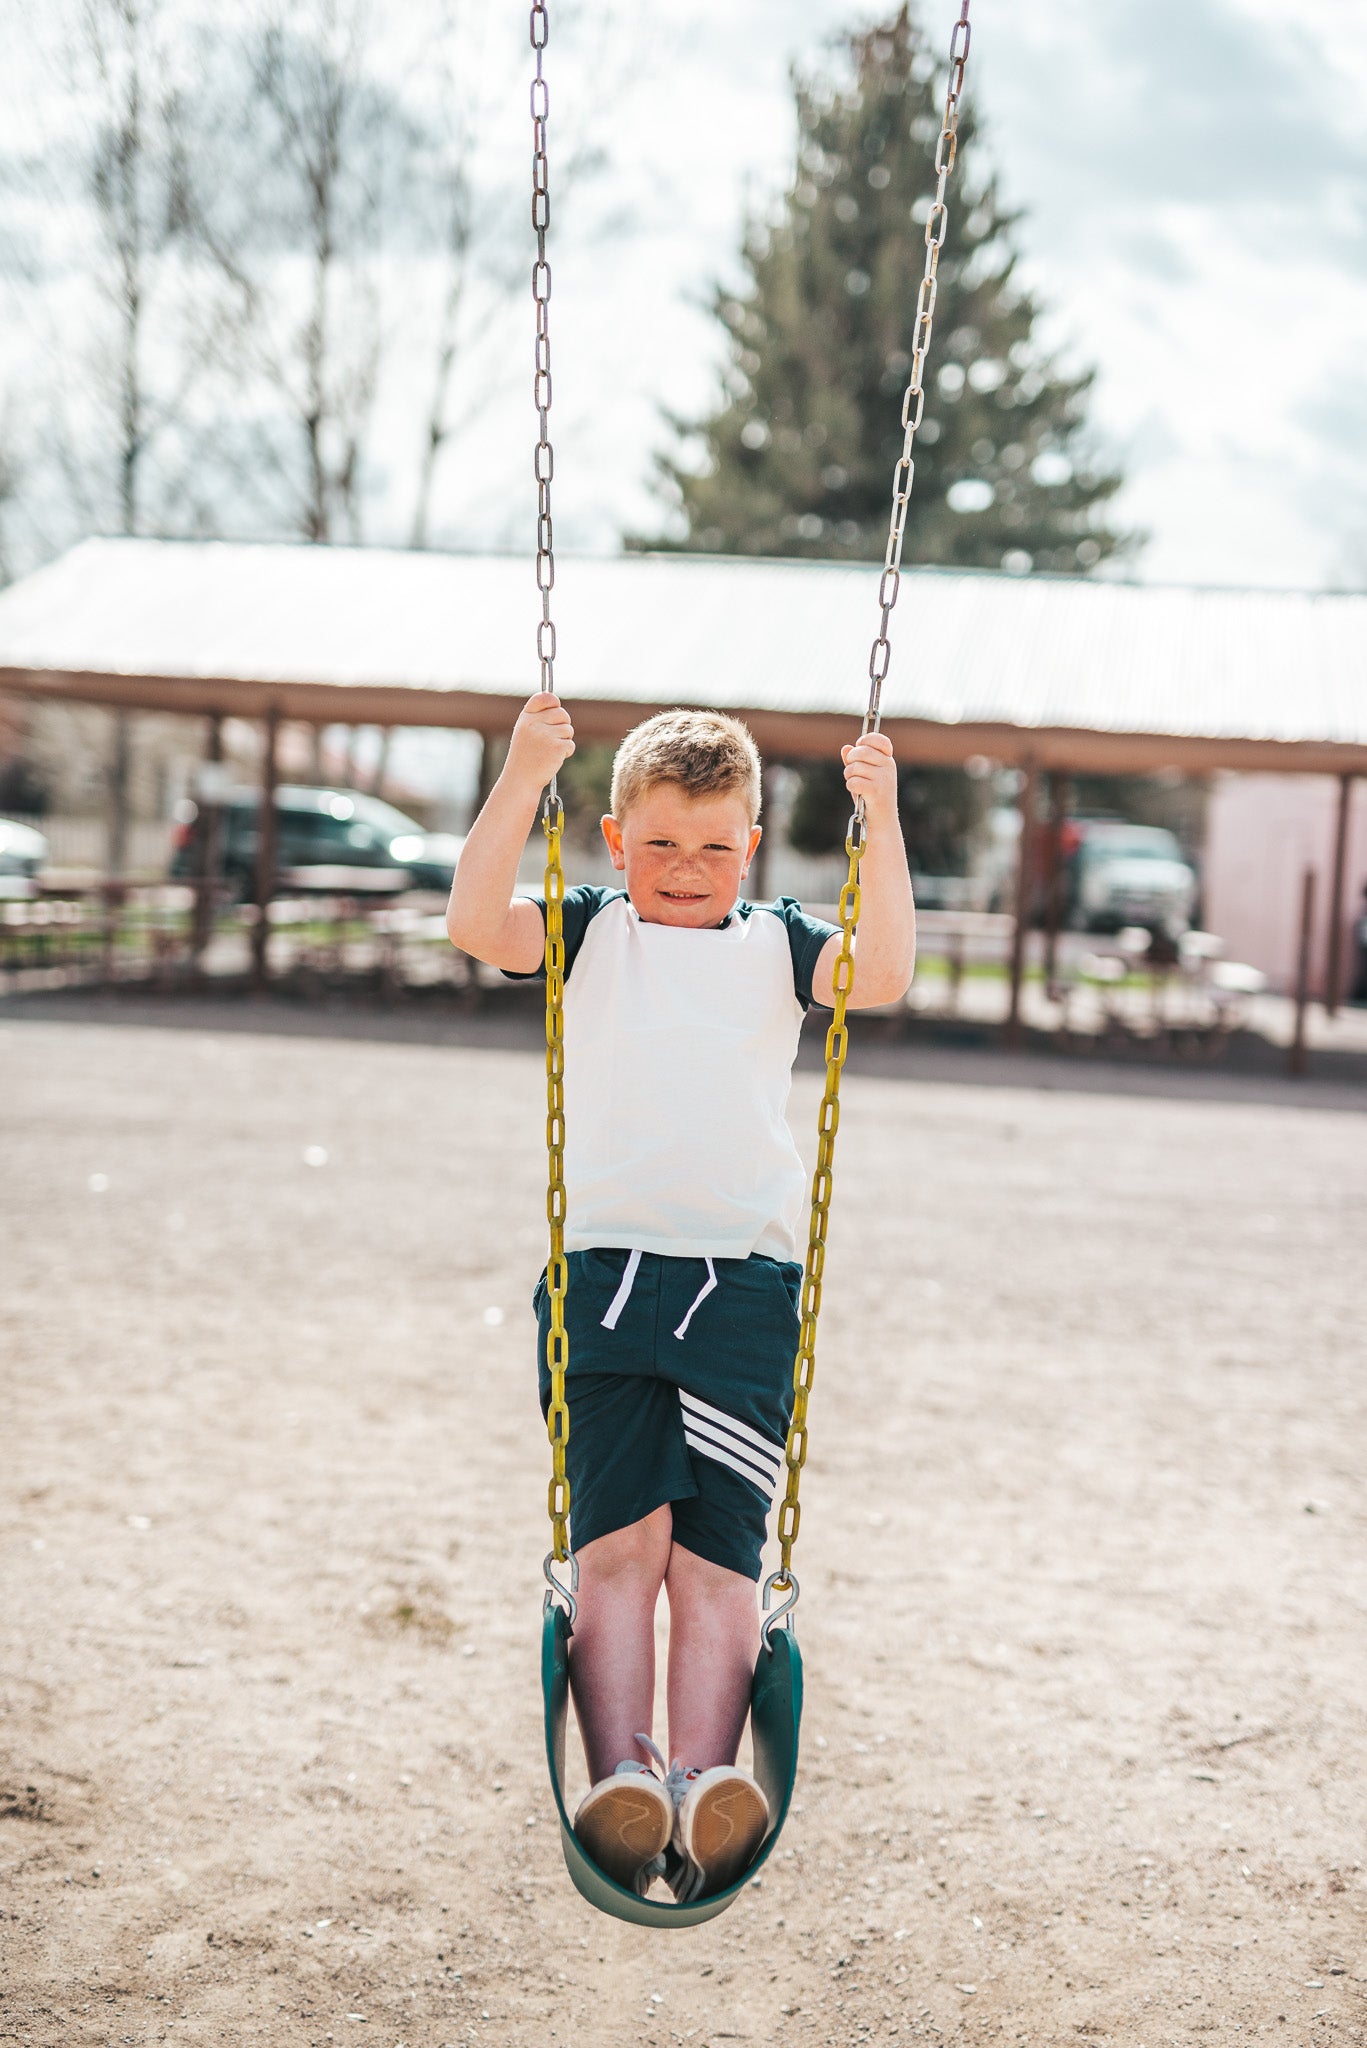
[775, 1721]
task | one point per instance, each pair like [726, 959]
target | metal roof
[1062, 670]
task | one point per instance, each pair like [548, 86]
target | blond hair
[703, 753]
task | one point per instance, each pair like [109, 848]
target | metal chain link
[553, 818]
[557, 1271]
[804, 1365]
[544, 460]
[914, 398]
[837, 1037]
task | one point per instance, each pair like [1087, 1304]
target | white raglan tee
[679, 1049]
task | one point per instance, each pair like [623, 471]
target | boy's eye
[712, 846]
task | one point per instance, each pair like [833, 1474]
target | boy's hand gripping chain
[553, 818]
[783, 1582]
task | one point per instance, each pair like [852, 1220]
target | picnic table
[1181, 995]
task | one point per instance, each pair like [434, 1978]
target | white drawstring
[628, 1281]
[708, 1284]
[623, 1294]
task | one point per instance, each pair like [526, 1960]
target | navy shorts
[680, 1389]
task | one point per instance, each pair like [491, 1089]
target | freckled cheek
[650, 871]
[711, 872]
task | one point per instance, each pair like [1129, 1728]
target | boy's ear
[612, 833]
[756, 834]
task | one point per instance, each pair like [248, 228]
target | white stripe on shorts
[713, 1445]
[720, 1437]
[747, 1437]
[715, 1452]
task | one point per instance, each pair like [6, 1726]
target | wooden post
[1296, 1056]
[113, 897]
[1333, 958]
[1025, 878]
[1054, 877]
[382, 761]
[120, 799]
[757, 890]
[210, 847]
[955, 948]
[265, 850]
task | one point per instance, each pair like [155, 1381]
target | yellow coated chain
[557, 1273]
[804, 1365]
[837, 1037]
[553, 819]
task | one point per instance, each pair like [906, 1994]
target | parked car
[325, 828]
[1121, 874]
[22, 853]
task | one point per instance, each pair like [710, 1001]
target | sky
[1193, 175]
[1193, 179]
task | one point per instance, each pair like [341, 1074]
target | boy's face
[684, 857]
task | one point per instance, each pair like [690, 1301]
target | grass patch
[420, 1614]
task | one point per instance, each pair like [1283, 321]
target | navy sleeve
[581, 906]
[806, 937]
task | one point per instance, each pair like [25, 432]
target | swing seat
[775, 1719]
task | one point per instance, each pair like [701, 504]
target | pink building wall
[1263, 831]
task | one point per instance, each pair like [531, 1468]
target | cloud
[1188, 104]
[1331, 487]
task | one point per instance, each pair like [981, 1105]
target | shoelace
[687, 1879]
[675, 1777]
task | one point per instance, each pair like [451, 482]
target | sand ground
[1083, 1555]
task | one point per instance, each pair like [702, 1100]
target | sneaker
[720, 1818]
[718, 1825]
[625, 1822]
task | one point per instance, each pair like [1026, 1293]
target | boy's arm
[885, 945]
[483, 917]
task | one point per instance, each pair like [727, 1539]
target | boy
[686, 1209]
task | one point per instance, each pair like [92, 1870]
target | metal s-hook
[771, 1621]
[555, 1591]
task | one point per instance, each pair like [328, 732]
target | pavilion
[1051, 675]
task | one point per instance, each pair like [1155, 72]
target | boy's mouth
[684, 895]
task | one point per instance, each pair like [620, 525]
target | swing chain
[804, 1365]
[914, 398]
[544, 460]
[837, 1037]
[553, 819]
[557, 1269]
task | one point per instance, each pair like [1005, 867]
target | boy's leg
[713, 1643]
[612, 1650]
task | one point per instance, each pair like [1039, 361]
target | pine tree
[799, 454]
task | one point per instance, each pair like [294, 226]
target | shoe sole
[723, 1827]
[623, 1825]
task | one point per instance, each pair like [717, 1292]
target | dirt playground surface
[1082, 1555]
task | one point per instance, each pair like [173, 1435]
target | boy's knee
[697, 1581]
[640, 1551]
